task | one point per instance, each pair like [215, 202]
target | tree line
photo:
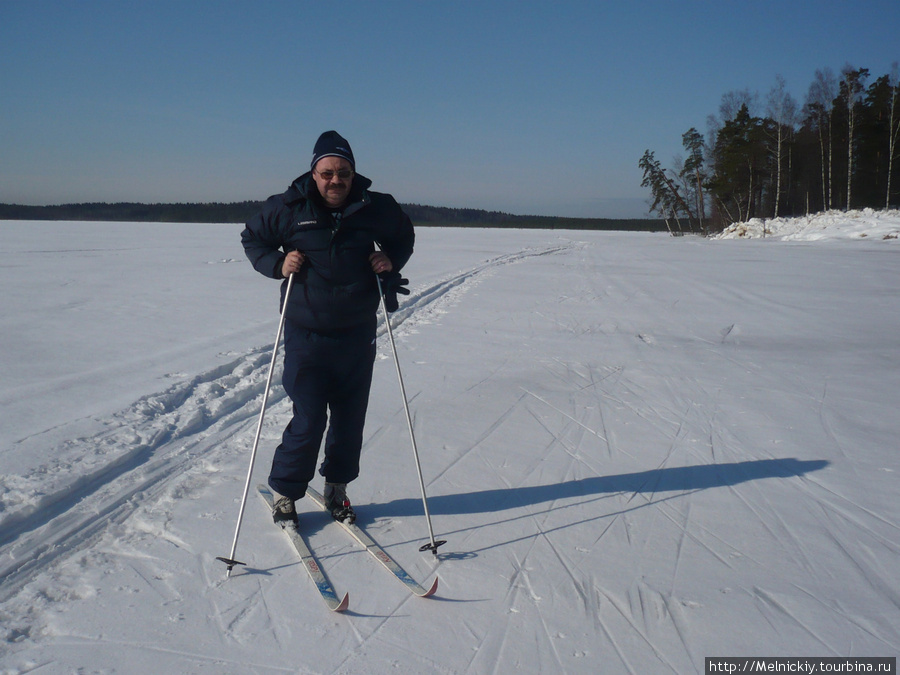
[235, 212]
[838, 150]
[241, 212]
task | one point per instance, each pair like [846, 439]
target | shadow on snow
[685, 479]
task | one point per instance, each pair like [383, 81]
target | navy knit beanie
[332, 144]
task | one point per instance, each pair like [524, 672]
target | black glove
[391, 284]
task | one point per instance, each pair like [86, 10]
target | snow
[831, 225]
[642, 450]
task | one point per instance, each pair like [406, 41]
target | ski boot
[337, 504]
[283, 510]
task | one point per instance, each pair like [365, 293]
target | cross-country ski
[334, 602]
[378, 553]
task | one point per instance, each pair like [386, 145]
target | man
[323, 230]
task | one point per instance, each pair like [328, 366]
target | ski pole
[433, 546]
[230, 561]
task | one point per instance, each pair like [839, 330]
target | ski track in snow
[659, 616]
[562, 612]
[150, 448]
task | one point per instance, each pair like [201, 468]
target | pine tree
[739, 159]
[667, 200]
[694, 167]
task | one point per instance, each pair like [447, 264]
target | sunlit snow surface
[642, 450]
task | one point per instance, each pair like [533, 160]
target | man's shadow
[652, 482]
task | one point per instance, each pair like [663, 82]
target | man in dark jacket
[323, 230]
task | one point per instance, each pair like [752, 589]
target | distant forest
[240, 212]
[838, 150]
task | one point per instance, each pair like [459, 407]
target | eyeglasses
[343, 174]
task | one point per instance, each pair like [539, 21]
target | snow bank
[865, 224]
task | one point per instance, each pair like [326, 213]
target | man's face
[328, 176]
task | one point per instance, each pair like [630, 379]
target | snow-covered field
[642, 451]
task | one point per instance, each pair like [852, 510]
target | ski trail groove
[95, 481]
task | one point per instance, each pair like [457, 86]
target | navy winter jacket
[335, 290]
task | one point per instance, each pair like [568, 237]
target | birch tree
[852, 87]
[782, 110]
[819, 105]
[893, 128]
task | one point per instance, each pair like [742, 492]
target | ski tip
[343, 605]
[431, 591]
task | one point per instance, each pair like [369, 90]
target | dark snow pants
[328, 380]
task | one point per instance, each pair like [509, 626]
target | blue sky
[529, 108]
